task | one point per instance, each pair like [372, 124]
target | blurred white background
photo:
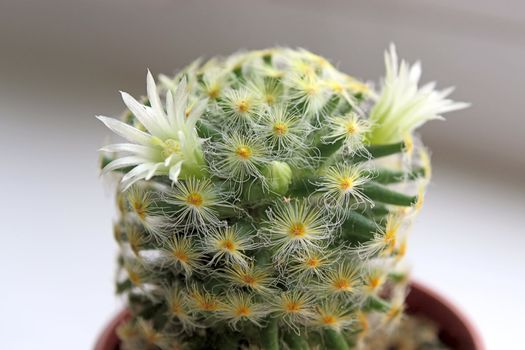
[63, 61]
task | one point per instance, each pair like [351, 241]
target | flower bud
[279, 176]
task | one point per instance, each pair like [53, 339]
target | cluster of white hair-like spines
[257, 208]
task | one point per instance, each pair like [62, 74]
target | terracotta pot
[455, 330]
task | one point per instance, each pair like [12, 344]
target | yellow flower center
[244, 152]
[139, 208]
[208, 305]
[280, 128]
[328, 320]
[134, 277]
[243, 311]
[176, 309]
[169, 146]
[342, 284]
[172, 146]
[204, 302]
[213, 92]
[228, 244]
[363, 321]
[346, 184]
[298, 230]
[390, 237]
[312, 262]
[249, 280]
[195, 199]
[243, 106]
[352, 128]
[374, 282]
[305, 68]
[336, 87]
[270, 99]
[292, 306]
[311, 89]
[181, 255]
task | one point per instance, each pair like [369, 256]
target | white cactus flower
[402, 106]
[169, 146]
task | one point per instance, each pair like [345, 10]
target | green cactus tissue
[264, 201]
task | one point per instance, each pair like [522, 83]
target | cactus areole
[264, 201]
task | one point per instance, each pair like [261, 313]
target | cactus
[265, 201]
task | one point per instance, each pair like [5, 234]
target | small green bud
[279, 176]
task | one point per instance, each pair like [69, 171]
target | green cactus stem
[263, 205]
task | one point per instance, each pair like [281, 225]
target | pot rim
[445, 303]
